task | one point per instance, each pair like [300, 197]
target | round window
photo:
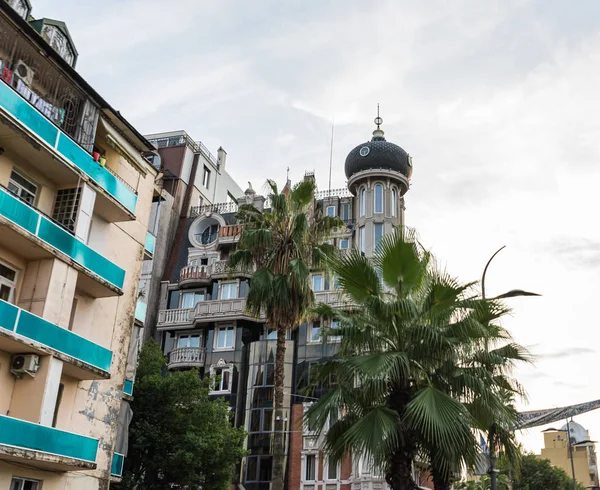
[364, 151]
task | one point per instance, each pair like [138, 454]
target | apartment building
[76, 192]
[203, 323]
[192, 179]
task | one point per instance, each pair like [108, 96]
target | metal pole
[493, 472]
[571, 455]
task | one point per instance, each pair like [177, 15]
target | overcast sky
[496, 101]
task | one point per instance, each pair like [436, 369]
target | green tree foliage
[178, 437]
[283, 243]
[538, 474]
[423, 365]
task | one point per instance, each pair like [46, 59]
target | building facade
[203, 323]
[572, 444]
[76, 190]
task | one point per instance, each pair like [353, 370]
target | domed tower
[378, 174]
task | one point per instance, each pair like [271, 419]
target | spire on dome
[378, 134]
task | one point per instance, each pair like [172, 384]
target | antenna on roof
[331, 156]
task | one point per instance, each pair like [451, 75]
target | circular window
[364, 151]
[209, 234]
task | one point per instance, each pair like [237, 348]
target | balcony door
[191, 299]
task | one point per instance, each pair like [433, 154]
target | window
[331, 211]
[345, 211]
[21, 187]
[191, 299]
[332, 470]
[335, 325]
[314, 332]
[8, 282]
[229, 290]
[261, 420]
[310, 467]
[264, 374]
[209, 234]
[337, 284]
[23, 10]
[25, 484]
[222, 380]
[258, 468]
[224, 338]
[188, 340]
[363, 201]
[361, 239]
[317, 282]
[394, 202]
[344, 243]
[378, 194]
[377, 234]
[206, 177]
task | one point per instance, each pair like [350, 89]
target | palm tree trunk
[440, 481]
[278, 450]
[399, 476]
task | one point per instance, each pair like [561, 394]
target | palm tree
[283, 244]
[408, 381]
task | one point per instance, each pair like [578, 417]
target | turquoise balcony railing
[35, 223]
[116, 468]
[50, 335]
[150, 243]
[37, 123]
[128, 387]
[27, 435]
[140, 311]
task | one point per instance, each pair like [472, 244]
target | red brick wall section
[295, 454]
[345, 470]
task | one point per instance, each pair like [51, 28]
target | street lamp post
[493, 471]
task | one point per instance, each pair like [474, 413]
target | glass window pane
[363, 202]
[183, 341]
[332, 471]
[378, 229]
[268, 420]
[310, 467]
[5, 292]
[15, 484]
[266, 463]
[225, 379]
[187, 300]
[258, 375]
[30, 485]
[270, 381]
[331, 211]
[361, 239]
[254, 421]
[195, 341]
[345, 211]
[229, 339]
[317, 282]
[220, 338]
[7, 272]
[378, 198]
[394, 202]
[344, 243]
[315, 332]
[251, 468]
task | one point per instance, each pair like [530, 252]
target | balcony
[116, 467]
[205, 312]
[230, 234]
[140, 311]
[51, 121]
[149, 245]
[187, 357]
[45, 447]
[219, 208]
[22, 332]
[203, 274]
[29, 233]
[331, 298]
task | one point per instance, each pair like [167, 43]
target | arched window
[394, 202]
[378, 194]
[363, 201]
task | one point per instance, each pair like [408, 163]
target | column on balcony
[47, 291]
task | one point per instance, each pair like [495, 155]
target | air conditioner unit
[24, 72]
[24, 364]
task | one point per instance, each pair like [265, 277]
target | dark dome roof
[378, 154]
